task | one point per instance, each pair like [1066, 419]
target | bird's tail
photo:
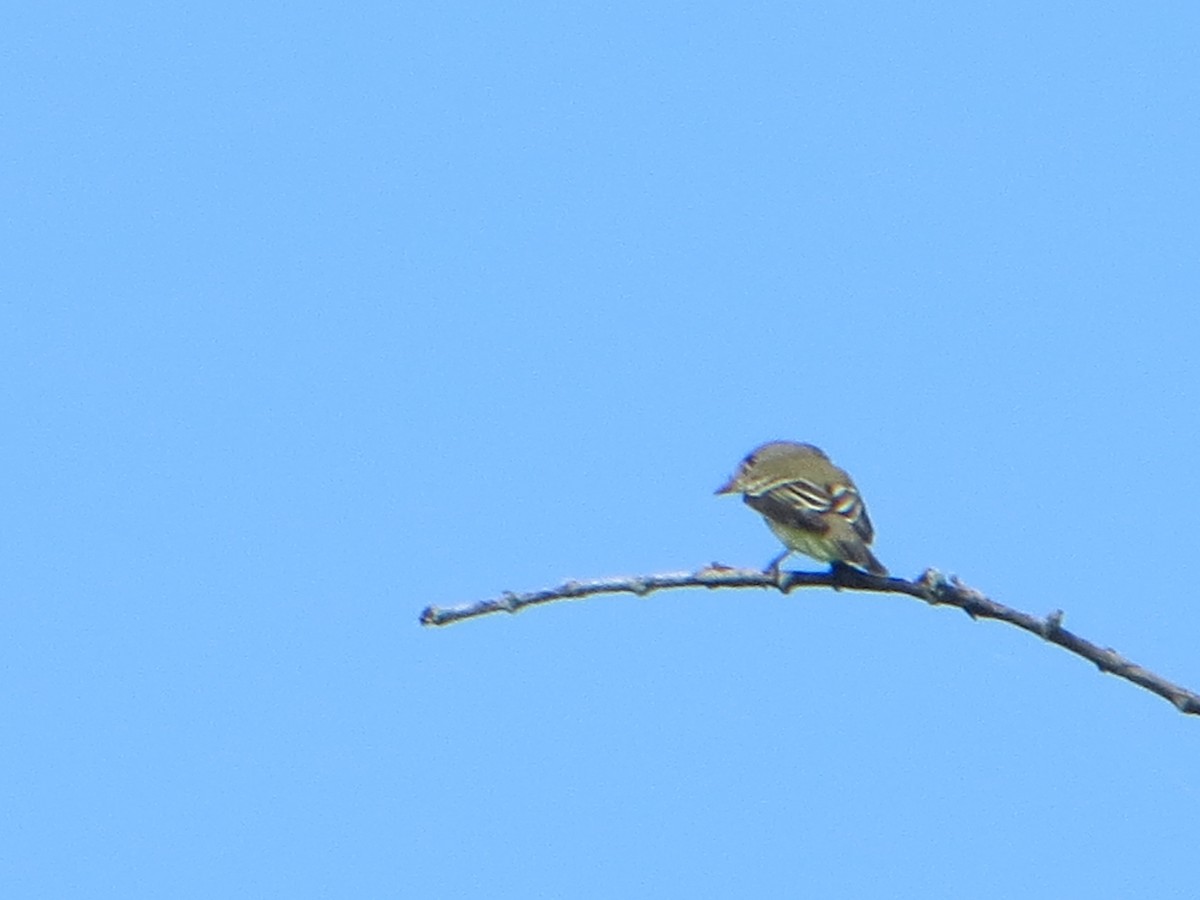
[856, 553]
[873, 565]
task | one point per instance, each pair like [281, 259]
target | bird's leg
[772, 567]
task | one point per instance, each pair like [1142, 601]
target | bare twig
[931, 587]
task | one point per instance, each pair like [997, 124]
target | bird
[810, 504]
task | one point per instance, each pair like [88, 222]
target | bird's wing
[846, 502]
[799, 503]
[806, 504]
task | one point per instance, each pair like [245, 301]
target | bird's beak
[729, 487]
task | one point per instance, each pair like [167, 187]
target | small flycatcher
[810, 504]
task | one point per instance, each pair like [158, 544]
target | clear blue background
[316, 314]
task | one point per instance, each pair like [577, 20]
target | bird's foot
[842, 574]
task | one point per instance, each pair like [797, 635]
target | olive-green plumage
[812, 506]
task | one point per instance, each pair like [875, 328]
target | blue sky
[315, 315]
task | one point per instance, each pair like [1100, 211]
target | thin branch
[932, 587]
